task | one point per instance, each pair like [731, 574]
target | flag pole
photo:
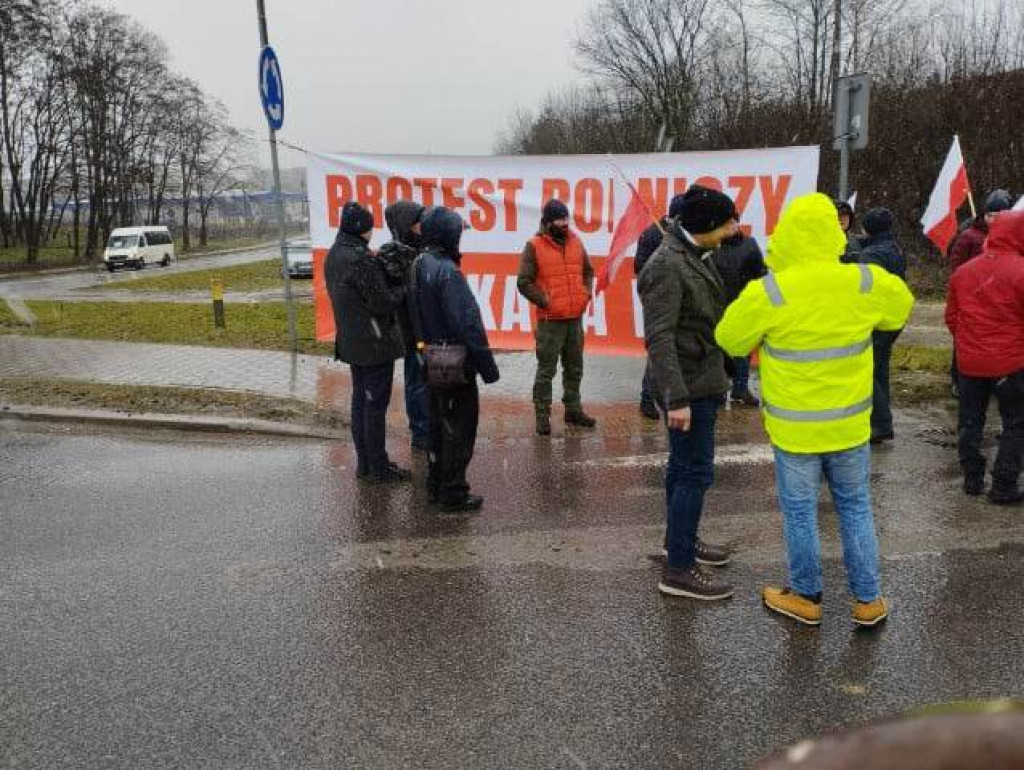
[970, 195]
[632, 189]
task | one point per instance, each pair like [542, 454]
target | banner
[501, 197]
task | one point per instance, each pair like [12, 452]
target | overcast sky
[384, 76]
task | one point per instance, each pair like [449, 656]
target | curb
[180, 422]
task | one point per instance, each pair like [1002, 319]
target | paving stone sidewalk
[306, 377]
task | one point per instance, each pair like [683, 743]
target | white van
[137, 247]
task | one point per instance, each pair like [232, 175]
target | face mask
[558, 233]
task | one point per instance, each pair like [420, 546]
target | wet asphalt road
[170, 600]
[59, 284]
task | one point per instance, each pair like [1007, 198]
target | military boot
[543, 422]
[579, 418]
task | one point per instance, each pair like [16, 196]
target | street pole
[840, 93]
[844, 158]
[279, 198]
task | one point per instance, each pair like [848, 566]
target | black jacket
[650, 240]
[397, 256]
[739, 261]
[444, 305]
[364, 305]
[881, 249]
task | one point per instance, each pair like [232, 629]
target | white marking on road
[732, 454]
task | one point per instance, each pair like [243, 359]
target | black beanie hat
[844, 207]
[878, 220]
[675, 206]
[554, 209]
[998, 200]
[355, 219]
[703, 210]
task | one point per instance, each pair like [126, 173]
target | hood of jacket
[808, 231]
[1006, 234]
[400, 217]
[442, 231]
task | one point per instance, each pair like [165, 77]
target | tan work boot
[791, 604]
[870, 613]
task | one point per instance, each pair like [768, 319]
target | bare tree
[650, 50]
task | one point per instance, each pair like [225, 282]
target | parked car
[138, 246]
[299, 256]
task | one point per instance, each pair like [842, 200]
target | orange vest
[560, 277]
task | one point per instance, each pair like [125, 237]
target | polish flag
[950, 192]
[631, 225]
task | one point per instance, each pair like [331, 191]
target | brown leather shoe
[693, 583]
[712, 555]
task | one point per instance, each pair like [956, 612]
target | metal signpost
[272, 96]
[853, 101]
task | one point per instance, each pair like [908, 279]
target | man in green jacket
[812, 318]
[683, 298]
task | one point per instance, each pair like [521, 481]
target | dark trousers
[417, 400]
[881, 409]
[454, 415]
[975, 394]
[647, 388]
[371, 394]
[559, 340]
[690, 473]
[741, 377]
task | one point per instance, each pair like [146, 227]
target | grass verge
[921, 358]
[256, 276]
[8, 320]
[256, 326]
[72, 394]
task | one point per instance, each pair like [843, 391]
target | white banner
[501, 197]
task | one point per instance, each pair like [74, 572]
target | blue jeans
[848, 473]
[690, 473]
[417, 401]
[741, 381]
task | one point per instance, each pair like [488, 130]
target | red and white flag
[631, 225]
[950, 192]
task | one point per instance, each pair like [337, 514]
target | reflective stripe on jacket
[560, 277]
[812, 319]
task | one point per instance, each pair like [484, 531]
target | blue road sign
[271, 88]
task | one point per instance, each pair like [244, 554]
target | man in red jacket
[556, 276]
[985, 314]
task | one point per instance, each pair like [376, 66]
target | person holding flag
[969, 243]
[555, 275]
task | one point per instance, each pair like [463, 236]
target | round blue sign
[271, 88]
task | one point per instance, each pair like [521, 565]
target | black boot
[543, 423]
[580, 418]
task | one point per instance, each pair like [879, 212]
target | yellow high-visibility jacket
[812, 318]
